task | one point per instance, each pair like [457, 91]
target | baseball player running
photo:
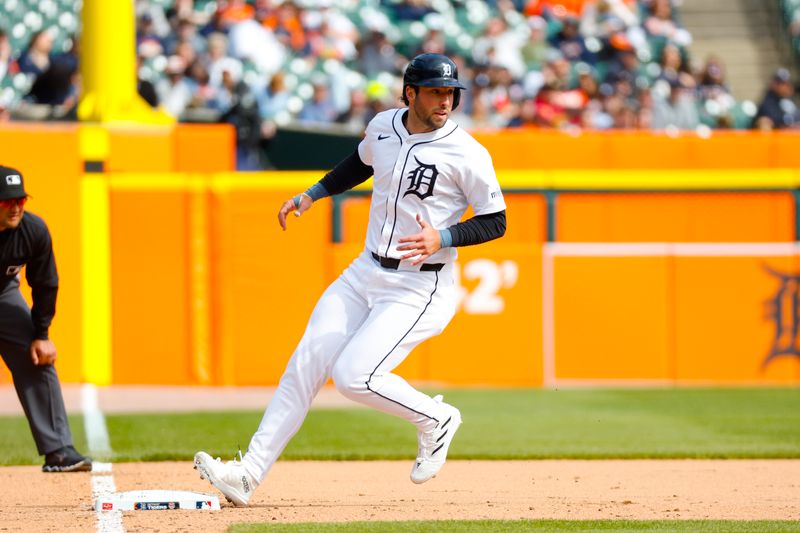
[400, 290]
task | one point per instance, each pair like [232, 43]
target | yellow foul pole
[108, 66]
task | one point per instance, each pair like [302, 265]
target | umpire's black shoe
[67, 459]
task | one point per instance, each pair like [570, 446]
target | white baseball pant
[363, 326]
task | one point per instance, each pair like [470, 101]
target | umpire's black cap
[11, 184]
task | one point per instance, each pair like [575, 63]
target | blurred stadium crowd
[262, 64]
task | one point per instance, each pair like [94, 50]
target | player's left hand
[421, 245]
[43, 352]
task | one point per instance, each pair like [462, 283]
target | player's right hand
[422, 245]
[299, 204]
[43, 352]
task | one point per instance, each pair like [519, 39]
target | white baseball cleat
[433, 445]
[229, 478]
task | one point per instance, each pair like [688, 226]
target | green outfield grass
[513, 526]
[498, 424]
[17, 446]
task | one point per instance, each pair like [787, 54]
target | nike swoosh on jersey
[382, 137]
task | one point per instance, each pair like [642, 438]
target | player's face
[429, 108]
[11, 212]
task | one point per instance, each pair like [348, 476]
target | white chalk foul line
[103, 485]
[94, 422]
[102, 479]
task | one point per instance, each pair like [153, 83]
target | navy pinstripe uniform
[24, 342]
[400, 290]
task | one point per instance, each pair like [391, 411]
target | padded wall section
[265, 281]
[150, 282]
[48, 157]
[675, 217]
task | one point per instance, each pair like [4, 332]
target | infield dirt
[306, 491]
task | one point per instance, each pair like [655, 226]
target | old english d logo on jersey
[422, 179]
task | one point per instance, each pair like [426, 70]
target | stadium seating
[461, 24]
[22, 19]
[791, 18]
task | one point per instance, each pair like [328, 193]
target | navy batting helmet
[433, 70]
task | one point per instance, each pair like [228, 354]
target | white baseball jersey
[436, 175]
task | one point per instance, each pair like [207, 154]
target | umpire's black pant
[38, 387]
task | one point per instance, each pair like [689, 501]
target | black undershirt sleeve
[478, 229]
[351, 171]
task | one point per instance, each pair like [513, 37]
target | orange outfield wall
[245, 312]
[176, 148]
[675, 217]
[549, 149]
[615, 318]
[265, 282]
[610, 319]
[204, 148]
[150, 292]
[49, 160]
[702, 314]
[192, 297]
[726, 327]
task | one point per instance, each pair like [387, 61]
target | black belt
[392, 264]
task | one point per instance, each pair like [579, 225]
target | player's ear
[411, 92]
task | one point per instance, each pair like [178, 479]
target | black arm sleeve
[478, 229]
[350, 172]
[42, 277]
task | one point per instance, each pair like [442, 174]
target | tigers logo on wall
[784, 311]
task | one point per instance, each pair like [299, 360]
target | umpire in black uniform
[24, 343]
